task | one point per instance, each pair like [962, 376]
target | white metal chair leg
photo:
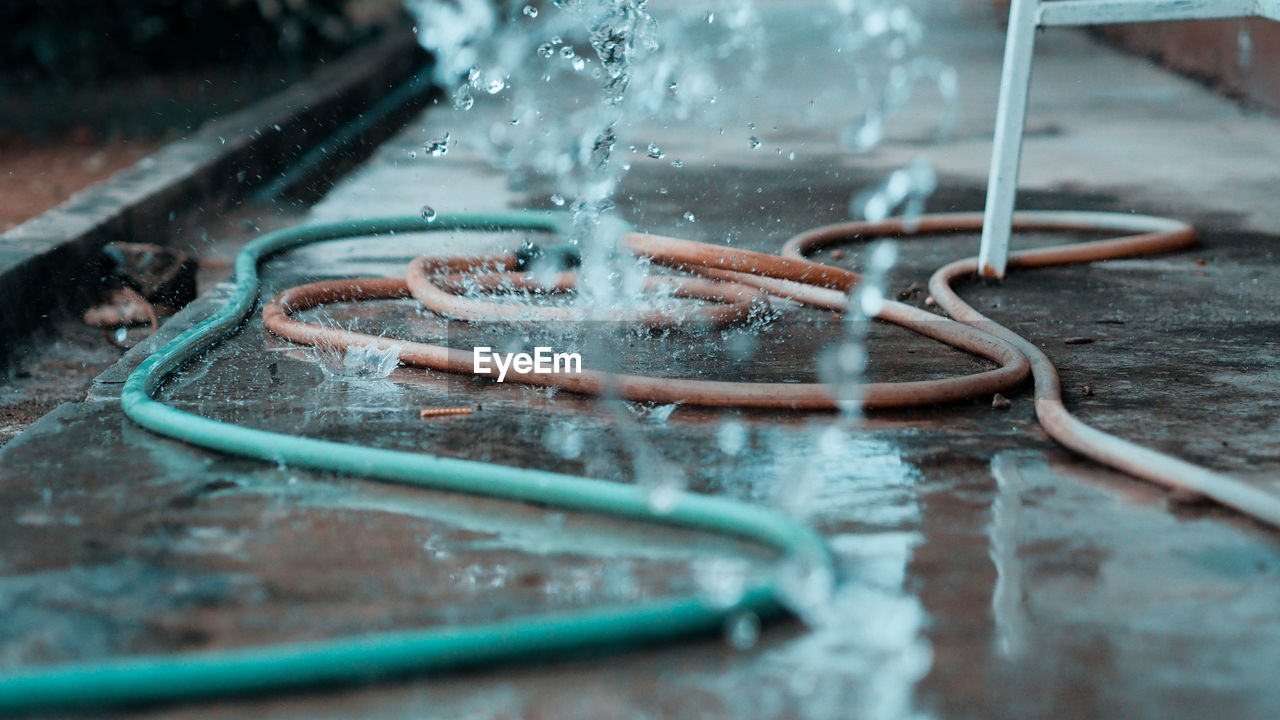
[1011, 114]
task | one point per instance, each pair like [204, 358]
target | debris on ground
[144, 283]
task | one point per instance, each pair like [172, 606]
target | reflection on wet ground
[984, 572]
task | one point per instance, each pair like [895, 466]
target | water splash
[1244, 46]
[906, 188]
[742, 630]
[843, 365]
[722, 580]
[564, 439]
[438, 147]
[614, 65]
[373, 360]
[732, 437]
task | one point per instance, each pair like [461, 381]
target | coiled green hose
[151, 678]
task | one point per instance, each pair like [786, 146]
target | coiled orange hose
[740, 273]
[1127, 457]
[1013, 370]
[437, 282]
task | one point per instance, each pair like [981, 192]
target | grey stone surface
[986, 572]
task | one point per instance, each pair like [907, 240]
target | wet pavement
[986, 573]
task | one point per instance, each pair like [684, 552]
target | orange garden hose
[437, 282]
[741, 275]
[1061, 425]
[1012, 372]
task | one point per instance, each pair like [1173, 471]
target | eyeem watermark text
[543, 360]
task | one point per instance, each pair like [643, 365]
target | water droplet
[710, 17]
[438, 146]
[689, 217]
[841, 367]
[546, 50]
[557, 200]
[721, 580]
[370, 360]
[754, 142]
[742, 630]
[807, 586]
[578, 63]
[876, 23]
[566, 52]
[428, 213]
[1244, 46]
[901, 19]
[732, 437]
[876, 208]
[663, 497]
[412, 155]
[462, 99]
[531, 11]
[494, 86]
[564, 440]
[656, 152]
[869, 133]
[677, 164]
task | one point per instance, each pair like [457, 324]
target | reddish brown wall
[1208, 50]
[1211, 50]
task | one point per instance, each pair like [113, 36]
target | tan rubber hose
[1162, 236]
[439, 291]
[796, 278]
[1012, 371]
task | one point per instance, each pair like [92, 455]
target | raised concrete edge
[50, 266]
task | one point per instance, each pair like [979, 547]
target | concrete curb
[50, 266]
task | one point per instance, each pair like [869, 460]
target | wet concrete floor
[986, 572]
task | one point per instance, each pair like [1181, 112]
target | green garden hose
[98, 684]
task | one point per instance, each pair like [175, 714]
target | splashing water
[372, 360]
[663, 481]
[742, 630]
[618, 73]
[564, 439]
[610, 66]
[438, 147]
[588, 46]
[906, 187]
[722, 580]
[1244, 47]
[807, 585]
[842, 366]
[732, 436]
